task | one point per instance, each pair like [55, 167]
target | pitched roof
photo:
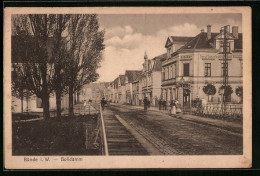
[178, 39]
[132, 75]
[238, 44]
[181, 38]
[201, 42]
[158, 62]
[116, 82]
[122, 79]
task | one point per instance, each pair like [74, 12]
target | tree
[59, 56]
[227, 91]
[36, 68]
[239, 93]
[209, 90]
[84, 52]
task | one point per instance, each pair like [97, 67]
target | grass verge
[65, 136]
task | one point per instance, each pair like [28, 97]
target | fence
[101, 139]
[229, 112]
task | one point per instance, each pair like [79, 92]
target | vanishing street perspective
[127, 84]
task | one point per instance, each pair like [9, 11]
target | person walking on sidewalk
[103, 102]
[164, 105]
[160, 104]
[173, 107]
[146, 103]
[85, 104]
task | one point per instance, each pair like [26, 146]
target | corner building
[193, 62]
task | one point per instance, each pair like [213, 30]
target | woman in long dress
[173, 107]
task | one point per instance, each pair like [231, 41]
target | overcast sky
[129, 36]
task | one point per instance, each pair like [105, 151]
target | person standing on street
[145, 103]
[103, 102]
[173, 107]
[160, 104]
[85, 104]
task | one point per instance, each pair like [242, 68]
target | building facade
[130, 77]
[195, 62]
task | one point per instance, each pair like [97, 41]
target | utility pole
[226, 48]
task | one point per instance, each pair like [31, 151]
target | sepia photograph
[95, 87]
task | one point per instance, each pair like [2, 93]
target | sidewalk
[226, 125]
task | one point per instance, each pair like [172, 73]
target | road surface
[177, 136]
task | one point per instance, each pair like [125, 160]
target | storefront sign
[219, 56]
[186, 57]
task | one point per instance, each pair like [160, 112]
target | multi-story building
[130, 76]
[148, 83]
[194, 62]
[121, 89]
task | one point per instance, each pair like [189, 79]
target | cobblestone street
[180, 136]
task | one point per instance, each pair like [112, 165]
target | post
[89, 108]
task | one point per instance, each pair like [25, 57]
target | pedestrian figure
[160, 104]
[85, 104]
[164, 105]
[146, 102]
[103, 102]
[178, 109]
[173, 107]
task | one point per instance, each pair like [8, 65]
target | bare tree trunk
[22, 101]
[45, 94]
[71, 113]
[46, 106]
[58, 103]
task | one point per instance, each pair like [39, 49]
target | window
[222, 47]
[207, 69]
[174, 71]
[170, 75]
[186, 69]
[38, 102]
[163, 74]
[224, 69]
[167, 73]
[169, 52]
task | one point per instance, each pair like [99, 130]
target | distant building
[94, 92]
[121, 91]
[130, 76]
[194, 62]
[148, 83]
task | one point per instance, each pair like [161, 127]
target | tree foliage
[239, 91]
[33, 35]
[227, 90]
[84, 52]
[209, 89]
[56, 53]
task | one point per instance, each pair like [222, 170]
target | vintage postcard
[127, 87]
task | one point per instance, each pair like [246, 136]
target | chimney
[202, 30]
[209, 32]
[235, 31]
[227, 28]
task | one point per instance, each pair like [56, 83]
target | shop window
[186, 69]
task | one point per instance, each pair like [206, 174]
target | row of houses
[189, 64]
